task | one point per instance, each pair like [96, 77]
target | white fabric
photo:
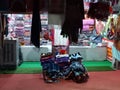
[59, 39]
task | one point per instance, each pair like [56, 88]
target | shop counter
[89, 53]
[31, 53]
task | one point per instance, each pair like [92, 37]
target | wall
[55, 19]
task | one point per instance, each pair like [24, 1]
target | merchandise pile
[67, 67]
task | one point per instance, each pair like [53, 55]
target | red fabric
[62, 51]
[110, 10]
[52, 35]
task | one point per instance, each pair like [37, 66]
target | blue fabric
[94, 38]
[115, 53]
[62, 59]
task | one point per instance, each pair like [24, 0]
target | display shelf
[19, 26]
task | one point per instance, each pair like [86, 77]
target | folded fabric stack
[63, 66]
[75, 57]
[46, 58]
[62, 59]
[50, 69]
[76, 70]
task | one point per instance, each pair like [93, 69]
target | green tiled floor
[35, 67]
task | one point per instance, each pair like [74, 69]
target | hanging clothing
[74, 14]
[99, 10]
[36, 24]
[59, 39]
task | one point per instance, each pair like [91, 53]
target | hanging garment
[59, 39]
[99, 10]
[36, 24]
[74, 13]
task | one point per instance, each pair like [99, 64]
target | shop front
[94, 43]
